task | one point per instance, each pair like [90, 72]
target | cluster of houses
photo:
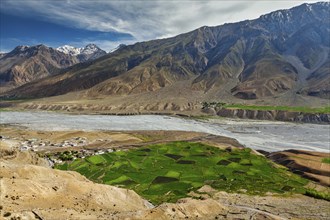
[60, 157]
[34, 144]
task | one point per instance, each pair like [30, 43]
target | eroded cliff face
[165, 108]
[273, 115]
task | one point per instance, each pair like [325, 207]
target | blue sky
[31, 31]
[108, 23]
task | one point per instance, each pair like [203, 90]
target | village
[35, 144]
[70, 155]
[66, 150]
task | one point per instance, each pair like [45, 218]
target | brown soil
[174, 99]
[306, 163]
[29, 190]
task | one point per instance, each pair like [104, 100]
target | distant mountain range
[29, 63]
[283, 55]
[89, 52]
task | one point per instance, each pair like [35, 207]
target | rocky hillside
[2, 54]
[25, 64]
[284, 54]
[271, 115]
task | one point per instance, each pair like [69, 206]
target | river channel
[263, 135]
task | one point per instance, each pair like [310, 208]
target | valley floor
[31, 189]
[261, 135]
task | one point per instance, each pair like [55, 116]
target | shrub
[317, 194]
[7, 214]
[326, 160]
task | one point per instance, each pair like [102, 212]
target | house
[24, 148]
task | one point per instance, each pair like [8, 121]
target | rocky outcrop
[275, 115]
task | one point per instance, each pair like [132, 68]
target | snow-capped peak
[74, 51]
[22, 47]
[89, 49]
[67, 49]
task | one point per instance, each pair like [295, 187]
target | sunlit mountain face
[284, 53]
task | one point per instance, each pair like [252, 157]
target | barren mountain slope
[25, 64]
[245, 60]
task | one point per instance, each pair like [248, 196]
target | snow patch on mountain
[89, 49]
[74, 51]
[67, 49]
[119, 46]
[2, 54]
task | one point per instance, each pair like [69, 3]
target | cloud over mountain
[143, 20]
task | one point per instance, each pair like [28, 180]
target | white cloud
[144, 20]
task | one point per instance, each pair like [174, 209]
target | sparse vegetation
[266, 108]
[7, 214]
[67, 155]
[316, 194]
[206, 105]
[281, 108]
[4, 109]
[326, 160]
[168, 172]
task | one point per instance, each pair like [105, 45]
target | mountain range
[280, 58]
[89, 52]
[29, 63]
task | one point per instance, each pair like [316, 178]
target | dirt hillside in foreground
[31, 190]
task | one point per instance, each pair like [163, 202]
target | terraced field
[167, 172]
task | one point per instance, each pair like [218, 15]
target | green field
[280, 108]
[167, 172]
[326, 160]
[320, 110]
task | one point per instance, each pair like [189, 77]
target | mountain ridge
[243, 60]
[28, 63]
